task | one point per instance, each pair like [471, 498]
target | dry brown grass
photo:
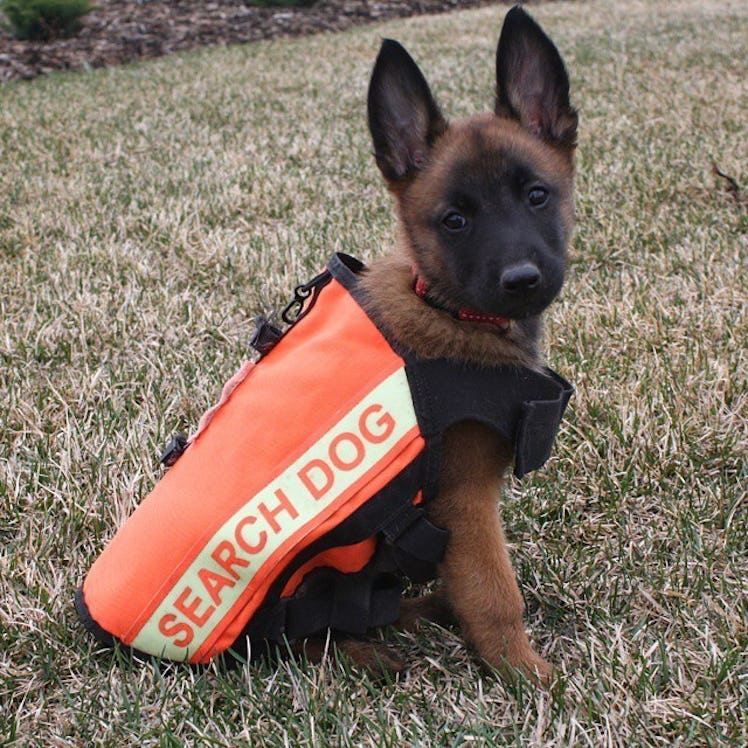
[149, 212]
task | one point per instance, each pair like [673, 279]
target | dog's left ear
[531, 81]
[404, 118]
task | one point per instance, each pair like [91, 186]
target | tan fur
[476, 571]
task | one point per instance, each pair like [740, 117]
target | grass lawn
[147, 213]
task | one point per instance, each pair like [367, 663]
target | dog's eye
[454, 221]
[538, 195]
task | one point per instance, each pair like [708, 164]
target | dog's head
[486, 204]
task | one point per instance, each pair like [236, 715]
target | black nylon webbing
[411, 546]
[328, 598]
[523, 406]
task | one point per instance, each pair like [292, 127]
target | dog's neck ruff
[463, 314]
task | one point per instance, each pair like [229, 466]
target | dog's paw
[532, 667]
[508, 651]
[378, 660]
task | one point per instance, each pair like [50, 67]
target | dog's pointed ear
[531, 81]
[404, 119]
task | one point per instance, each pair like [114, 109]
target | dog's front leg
[477, 573]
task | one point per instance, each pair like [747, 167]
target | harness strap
[538, 425]
[327, 598]
[522, 405]
[355, 602]
[417, 543]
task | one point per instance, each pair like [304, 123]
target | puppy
[485, 208]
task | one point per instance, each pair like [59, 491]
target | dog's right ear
[404, 119]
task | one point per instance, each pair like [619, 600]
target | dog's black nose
[524, 276]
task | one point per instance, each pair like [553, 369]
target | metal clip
[297, 307]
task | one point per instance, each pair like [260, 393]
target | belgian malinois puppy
[485, 210]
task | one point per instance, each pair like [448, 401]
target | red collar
[463, 313]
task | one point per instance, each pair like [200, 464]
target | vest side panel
[296, 395]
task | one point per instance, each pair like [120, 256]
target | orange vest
[298, 506]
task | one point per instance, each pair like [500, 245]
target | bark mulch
[120, 31]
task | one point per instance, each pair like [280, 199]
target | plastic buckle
[266, 335]
[173, 450]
